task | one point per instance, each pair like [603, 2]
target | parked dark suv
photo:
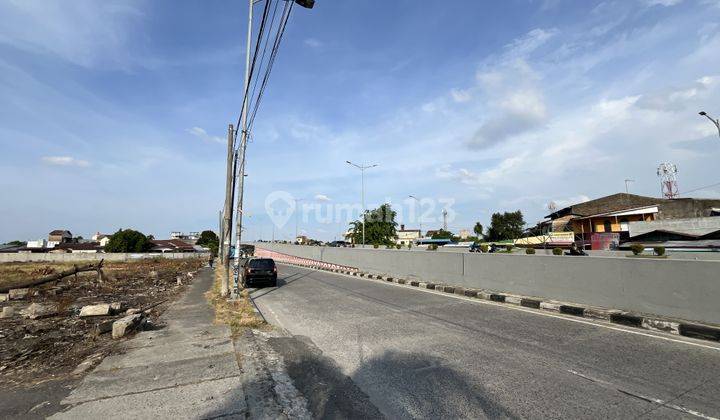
[260, 272]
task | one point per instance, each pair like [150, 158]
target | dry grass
[12, 274]
[238, 314]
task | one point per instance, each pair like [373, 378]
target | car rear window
[262, 264]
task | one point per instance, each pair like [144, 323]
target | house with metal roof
[605, 222]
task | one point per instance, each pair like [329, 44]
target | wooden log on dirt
[55, 277]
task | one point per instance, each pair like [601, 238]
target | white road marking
[571, 318]
[658, 401]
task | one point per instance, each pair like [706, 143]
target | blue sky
[113, 113]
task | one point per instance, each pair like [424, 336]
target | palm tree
[478, 229]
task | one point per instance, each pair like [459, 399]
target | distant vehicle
[259, 272]
[475, 247]
[337, 244]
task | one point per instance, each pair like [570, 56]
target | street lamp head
[308, 4]
[348, 162]
[703, 113]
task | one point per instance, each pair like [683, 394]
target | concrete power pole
[244, 136]
[221, 229]
[227, 213]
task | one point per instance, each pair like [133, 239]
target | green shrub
[484, 248]
[530, 251]
[432, 247]
[398, 246]
[637, 249]
[659, 251]
[508, 248]
[409, 245]
[376, 246]
[557, 251]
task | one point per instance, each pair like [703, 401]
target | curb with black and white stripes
[648, 322]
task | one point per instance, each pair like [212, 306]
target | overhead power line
[701, 188]
[258, 41]
[264, 50]
[273, 55]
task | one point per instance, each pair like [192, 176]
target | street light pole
[419, 217]
[362, 193]
[716, 122]
[297, 200]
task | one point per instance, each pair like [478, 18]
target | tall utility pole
[221, 247]
[362, 193]
[227, 213]
[297, 200]
[420, 216]
[243, 138]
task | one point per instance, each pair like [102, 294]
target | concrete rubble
[37, 310]
[124, 325]
[95, 310]
[17, 294]
[46, 331]
[7, 312]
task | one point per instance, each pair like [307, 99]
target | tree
[128, 241]
[508, 225]
[210, 240]
[478, 229]
[16, 243]
[442, 234]
[379, 227]
[207, 237]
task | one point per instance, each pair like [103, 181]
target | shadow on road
[398, 385]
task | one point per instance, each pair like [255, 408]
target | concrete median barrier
[678, 289]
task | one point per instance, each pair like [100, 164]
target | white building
[407, 236]
[102, 238]
[40, 243]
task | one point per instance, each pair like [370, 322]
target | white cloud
[460, 95]
[462, 175]
[322, 197]
[520, 111]
[84, 32]
[204, 136]
[679, 98]
[429, 107]
[313, 43]
[569, 201]
[530, 42]
[65, 161]
[661, 2]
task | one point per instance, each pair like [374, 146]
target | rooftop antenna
[667, 172]
[627, 190]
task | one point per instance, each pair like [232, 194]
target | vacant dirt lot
[51, 347]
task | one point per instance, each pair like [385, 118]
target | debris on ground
[46, 331]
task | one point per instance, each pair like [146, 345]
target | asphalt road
[421, 354]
